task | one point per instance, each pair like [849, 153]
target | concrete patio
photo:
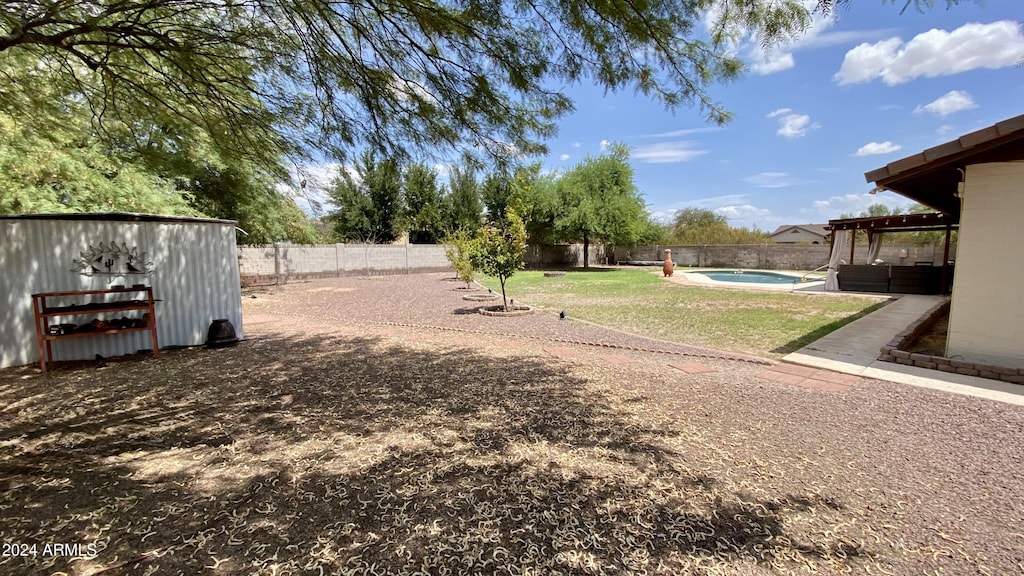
[854, 349]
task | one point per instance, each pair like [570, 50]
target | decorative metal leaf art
[112, 260]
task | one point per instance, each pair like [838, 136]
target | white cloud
[934, 53]
[745, 215]
[576, 144]
[712, 202]
[952, 101]
[735, 207]
[666, 213]
[605, 144]
[835, 206]
[564, 157]
[764, 64]
[775, 180]
[665, 152]
[793, 125]
[780, 56]
[662, 215]
[443, 170]
[683, 132]
[408, 90]
[872, 148]
[866, 61]
[312, 197]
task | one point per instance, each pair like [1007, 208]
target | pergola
[874, 226]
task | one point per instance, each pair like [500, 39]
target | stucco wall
[986, 321]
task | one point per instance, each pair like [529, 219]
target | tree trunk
[586, 250]
[504, 300]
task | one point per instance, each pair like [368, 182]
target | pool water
[750, 276]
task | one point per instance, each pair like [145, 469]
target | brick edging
[893, 352]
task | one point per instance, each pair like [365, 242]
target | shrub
[459, 246]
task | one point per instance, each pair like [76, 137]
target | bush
[459, 246]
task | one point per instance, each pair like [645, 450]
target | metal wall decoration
[112, 260]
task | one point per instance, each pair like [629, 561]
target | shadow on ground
[296, 455]
[806, 339]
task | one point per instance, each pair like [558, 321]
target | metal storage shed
[191, 264]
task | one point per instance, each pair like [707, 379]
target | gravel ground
[437, 301]
[372, 426]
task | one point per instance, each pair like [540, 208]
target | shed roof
[931, 177]
[117, 217]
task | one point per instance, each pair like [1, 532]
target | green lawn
[636, 300]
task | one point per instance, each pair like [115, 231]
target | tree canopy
[464, 202]
[424, 205]
[232, 87]
[69, 168]
[599, 201]
[262, 77]
[369, 202]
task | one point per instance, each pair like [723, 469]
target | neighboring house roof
[931, 177]
[819, 229]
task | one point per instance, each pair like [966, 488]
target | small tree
[459, 247]
[499, 249]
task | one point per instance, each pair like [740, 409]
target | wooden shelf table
[44, 313]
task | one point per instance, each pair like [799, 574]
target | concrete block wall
[428, 256]
[564, 256]
[279, 263]
[271, 264]
[304, 260]
[774, 256]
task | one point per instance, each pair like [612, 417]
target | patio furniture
[863, 278]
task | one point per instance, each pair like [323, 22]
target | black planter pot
[221, 334]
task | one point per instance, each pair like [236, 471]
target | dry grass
[770, 324]
[363, 449]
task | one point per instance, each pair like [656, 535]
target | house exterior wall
[798, 235]
[986, 321]
[193, 269]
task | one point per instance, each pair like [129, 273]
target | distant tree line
[595, 201]
[692, 226]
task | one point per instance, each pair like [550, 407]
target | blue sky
[859, 90]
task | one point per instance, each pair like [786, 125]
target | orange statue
[669, 264]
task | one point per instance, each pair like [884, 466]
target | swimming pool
[750, 276]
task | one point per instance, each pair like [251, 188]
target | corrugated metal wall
[194, 274]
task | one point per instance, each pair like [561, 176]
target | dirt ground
[933, 341]
[378, 426]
